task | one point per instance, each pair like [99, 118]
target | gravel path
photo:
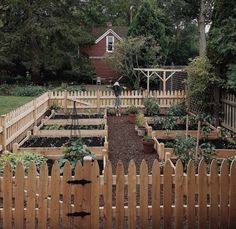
[125, 144]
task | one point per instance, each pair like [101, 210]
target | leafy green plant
[177, 109]
[28, 90]
[158, 123]
[74, 151]
[184, 149]
[205, 130]
[53, 127]
[147, 138]
[110, 112]
[24, 157]
[132, 110]
[140, 119]
[151, 107]
[55, 107]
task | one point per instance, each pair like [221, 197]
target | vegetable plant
[151, 107]
[177, 109]
[140, 120]
[24, 157]
[132, 110]
[74, 151]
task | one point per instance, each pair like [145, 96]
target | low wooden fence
[106, 99]
[228, 101]
[14, 125]
[169, 198]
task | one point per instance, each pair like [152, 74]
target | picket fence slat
[156, 195]
[169, 198]
[120, 181]
[132, 195]
[7, 197]
[19, 200]
[108, 196]
[43, 194]
[232, 201]
[224, 194]
[167, 194]
[144, 195]
[66, 192]
[31, 197]
[55, 197]
[214, 193]
[95, 196]
[179, 195]
[191, 195]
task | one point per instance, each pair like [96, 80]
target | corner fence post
[3, 134]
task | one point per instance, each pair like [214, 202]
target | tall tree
[222, 40]
[42, 36]
[150, 21]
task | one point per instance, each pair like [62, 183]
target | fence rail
[15, 124]
[167, 198]
[229, 111]
[104, 99]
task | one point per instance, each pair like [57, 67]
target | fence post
[35, 112]
[98, 100]
[4, 132]
[65, 100]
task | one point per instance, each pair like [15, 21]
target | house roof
[121, 31]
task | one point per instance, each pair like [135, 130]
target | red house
[105, 42]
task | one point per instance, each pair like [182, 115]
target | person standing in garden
[117, 91]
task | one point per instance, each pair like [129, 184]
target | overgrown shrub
[24, 157]
[132, 110]
[151, 107]
[29, 90]
[177, 109]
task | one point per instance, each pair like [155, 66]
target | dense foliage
[24, 157]
[222, 40]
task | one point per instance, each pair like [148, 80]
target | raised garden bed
[52, 147]
[71, 130]
[223, 148]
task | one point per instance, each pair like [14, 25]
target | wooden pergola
[159, 72]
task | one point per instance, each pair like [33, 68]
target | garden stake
[198, 137]
[186, 126]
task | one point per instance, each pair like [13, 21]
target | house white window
[110, 43]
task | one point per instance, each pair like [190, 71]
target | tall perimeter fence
[14, 125]
[168, 198]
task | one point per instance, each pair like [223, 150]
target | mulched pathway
[125, 144]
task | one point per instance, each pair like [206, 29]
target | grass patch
[9, 103]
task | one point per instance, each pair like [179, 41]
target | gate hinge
[82, 182]
[81, 214]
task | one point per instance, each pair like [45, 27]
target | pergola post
[164, 81]
[148, 76]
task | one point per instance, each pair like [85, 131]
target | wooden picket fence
[105, 99]
[15, 124]
[168, 198]
[228, 101]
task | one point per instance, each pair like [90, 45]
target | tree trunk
[201, 27]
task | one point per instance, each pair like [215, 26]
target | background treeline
[43, 37]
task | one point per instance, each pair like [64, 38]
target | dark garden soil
[125, 144]
[218, 143]
[78, 116]
[76, 127]
[60, 141]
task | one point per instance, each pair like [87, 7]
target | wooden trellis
[161, 73]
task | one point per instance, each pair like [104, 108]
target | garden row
[178, 134]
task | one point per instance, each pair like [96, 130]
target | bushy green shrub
[177, 109]
[132, 110]
[24, 157]
[73, 152]
[151, 107]
[28, 90]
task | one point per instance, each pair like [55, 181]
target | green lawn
[9, 103]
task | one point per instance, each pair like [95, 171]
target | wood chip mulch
[125, 144]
